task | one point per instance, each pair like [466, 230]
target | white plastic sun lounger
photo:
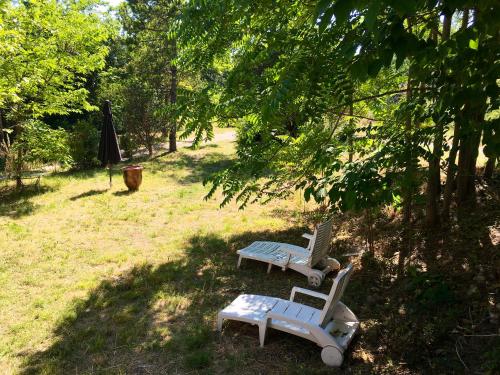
[298, 258]
[332, 328]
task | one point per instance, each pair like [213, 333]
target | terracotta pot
[132, 175]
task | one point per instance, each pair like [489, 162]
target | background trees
[143, 77]
[51, 47]
[47, 51]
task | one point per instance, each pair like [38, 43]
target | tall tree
[295, 68]
[150, 26]
[172, 138]
[451, 168]
[489, 167]
[52, 47]
[434, 175]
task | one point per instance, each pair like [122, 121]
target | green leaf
[403, 6]
[359, 69]
[473, 44]
[400, 58]
[307, 194]
[386, 57]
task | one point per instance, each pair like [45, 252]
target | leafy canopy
[47, 50]
[318, 83]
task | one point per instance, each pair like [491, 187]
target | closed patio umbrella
[109, 151]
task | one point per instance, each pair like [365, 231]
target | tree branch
[391, 92]
[363, 117]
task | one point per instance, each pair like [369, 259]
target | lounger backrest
[338, 287]
[320, 242]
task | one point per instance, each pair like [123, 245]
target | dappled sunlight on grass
[162, 315]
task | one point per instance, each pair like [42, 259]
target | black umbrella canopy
[109, 151]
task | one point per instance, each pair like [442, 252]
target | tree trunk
[468, 151]
[434, 176]
[469, 145]
[446, 27]
[351, 134]
[407, 188]
[4, 147]
[465, 18]
[19, 169]
[449, 186]
[172, 137]
[450, 173]
[369, 231]
[18, 164]
[434, 180]
[1, 128]
[489, 167]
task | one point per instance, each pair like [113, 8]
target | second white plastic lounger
[332, 328]
[300, 259]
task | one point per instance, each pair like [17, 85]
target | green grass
[99, 281]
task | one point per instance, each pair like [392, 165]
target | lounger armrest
[289, 319]
[295, 250]
[308, 292]
[308, 236]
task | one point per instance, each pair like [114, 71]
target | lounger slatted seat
[300, 259]
[332, 327]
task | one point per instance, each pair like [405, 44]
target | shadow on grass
[464, 258]
[199, 168]
[124, 192]
[158, 319]
[16, 203]
[89, 193]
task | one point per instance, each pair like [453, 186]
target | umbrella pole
[110, 175]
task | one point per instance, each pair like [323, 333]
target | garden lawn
[97, 280]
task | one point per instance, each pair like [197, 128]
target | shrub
[128, 144]
[84, 144]
[38, 144]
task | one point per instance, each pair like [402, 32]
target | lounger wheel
[322, 263]
[333, 264]
[331, 356]
[315, 279]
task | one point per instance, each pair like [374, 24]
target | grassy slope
[100, 281]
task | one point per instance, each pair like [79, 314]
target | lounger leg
[262, 333]
[239, 262]
[269, 267]
[220, 320]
